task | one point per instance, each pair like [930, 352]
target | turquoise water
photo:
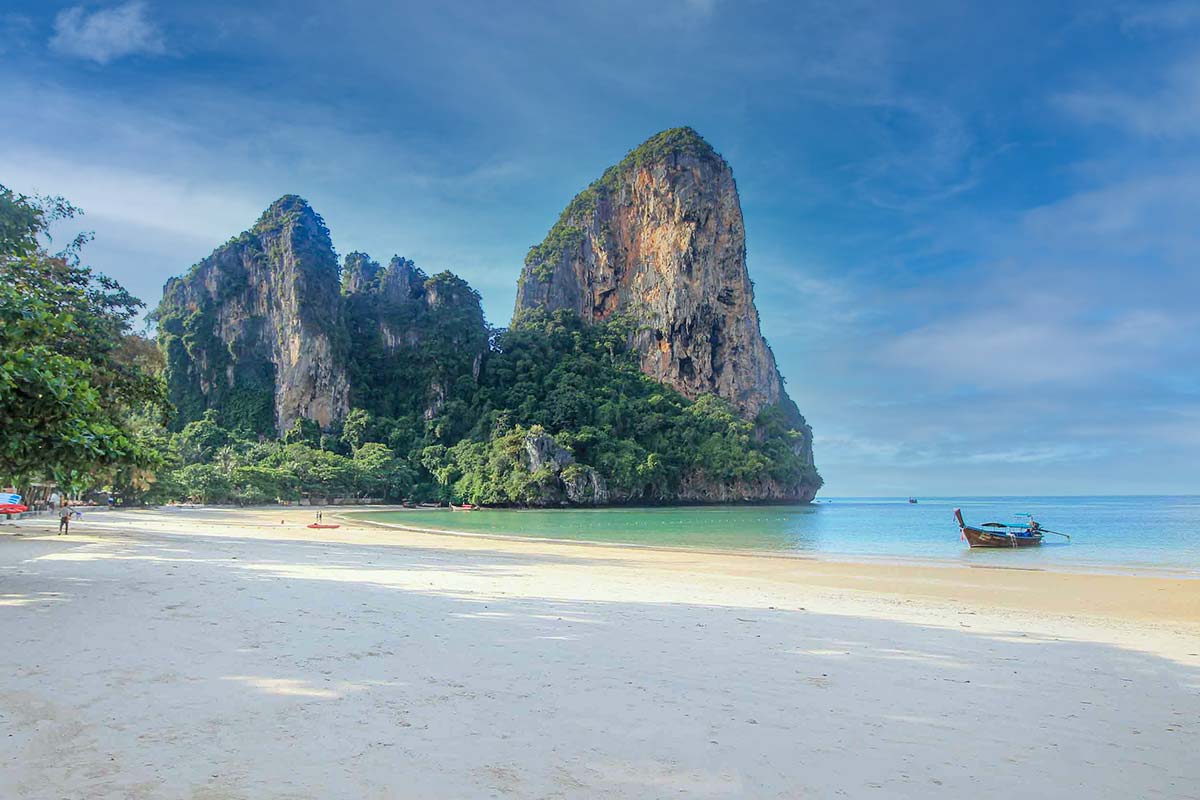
[1107, 533]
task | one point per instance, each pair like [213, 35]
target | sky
[973, 230]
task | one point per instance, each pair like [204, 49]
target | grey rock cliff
[255, 330]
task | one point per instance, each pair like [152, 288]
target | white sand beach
[213, 654]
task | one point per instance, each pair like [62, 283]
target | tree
[304, 431]
[378, 473]
[356, 427]
[71, 379]
[200, 439]
[204, 483]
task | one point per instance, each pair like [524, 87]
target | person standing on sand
[53, 500]
[64, 519]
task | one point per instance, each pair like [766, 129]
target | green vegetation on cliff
[415, 341]
[560, 413]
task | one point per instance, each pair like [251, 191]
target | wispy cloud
[15, 32]
[1148, 217]
[1171, 16]
[1027, 345]
[1169, 110]
[107, 34]
[703, 8]
[1036, 455]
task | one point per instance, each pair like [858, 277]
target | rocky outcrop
[255, 330]
[431, 331]
[566, 480]
[701, 489]
[660, 238]
[268, 330]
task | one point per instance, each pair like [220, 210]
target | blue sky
[973, 230]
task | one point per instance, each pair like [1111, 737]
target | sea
[1141, 535]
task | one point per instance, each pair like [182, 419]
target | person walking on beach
[64, 519]
[53, 500]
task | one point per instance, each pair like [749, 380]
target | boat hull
[977, 537]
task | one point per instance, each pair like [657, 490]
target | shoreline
[1055, 594]
[1139, 570]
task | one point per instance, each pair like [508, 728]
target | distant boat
[998, 534]
[463, 507]
[912, 500]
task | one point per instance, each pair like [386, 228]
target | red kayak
[12, 508]
[319, 525]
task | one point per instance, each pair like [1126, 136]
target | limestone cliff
[429, 330]
[255, 330]
[650, 260]
[660, 238]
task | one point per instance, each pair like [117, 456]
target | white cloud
[108, 34]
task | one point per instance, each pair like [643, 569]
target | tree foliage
[552, 377]
[74, 380]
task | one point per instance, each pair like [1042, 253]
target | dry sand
[192, 653]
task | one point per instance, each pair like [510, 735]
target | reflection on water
[1107, 532]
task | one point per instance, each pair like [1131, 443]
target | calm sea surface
[1154, 534]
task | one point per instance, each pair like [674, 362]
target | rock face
[255, 330]
[402, 322]
[660, 238]
[268, 329]
[569, 482]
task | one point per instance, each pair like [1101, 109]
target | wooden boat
[999, 535]
[463, 507]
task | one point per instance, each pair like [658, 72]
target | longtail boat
[998, 534]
